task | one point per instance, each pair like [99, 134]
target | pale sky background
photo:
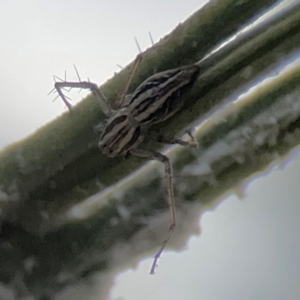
[249, 248]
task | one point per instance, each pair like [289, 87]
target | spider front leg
[168, 172]
[84, 85]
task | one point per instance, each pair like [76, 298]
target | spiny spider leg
[84, 85]
[65, 97]
[62, 80]
[120, 101]
[54, 90]
[137, 44]
[79, 79]
[121, 98]
[151, 38]
[77, 73]
[168, 172]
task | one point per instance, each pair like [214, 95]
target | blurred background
[249, 244]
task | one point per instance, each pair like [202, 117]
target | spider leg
[121, 97]
[151, 38]
[168, 172]
[161, 139]
[59, 86]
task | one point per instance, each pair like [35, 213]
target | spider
[155, 100]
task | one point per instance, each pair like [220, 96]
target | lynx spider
[154, 101]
